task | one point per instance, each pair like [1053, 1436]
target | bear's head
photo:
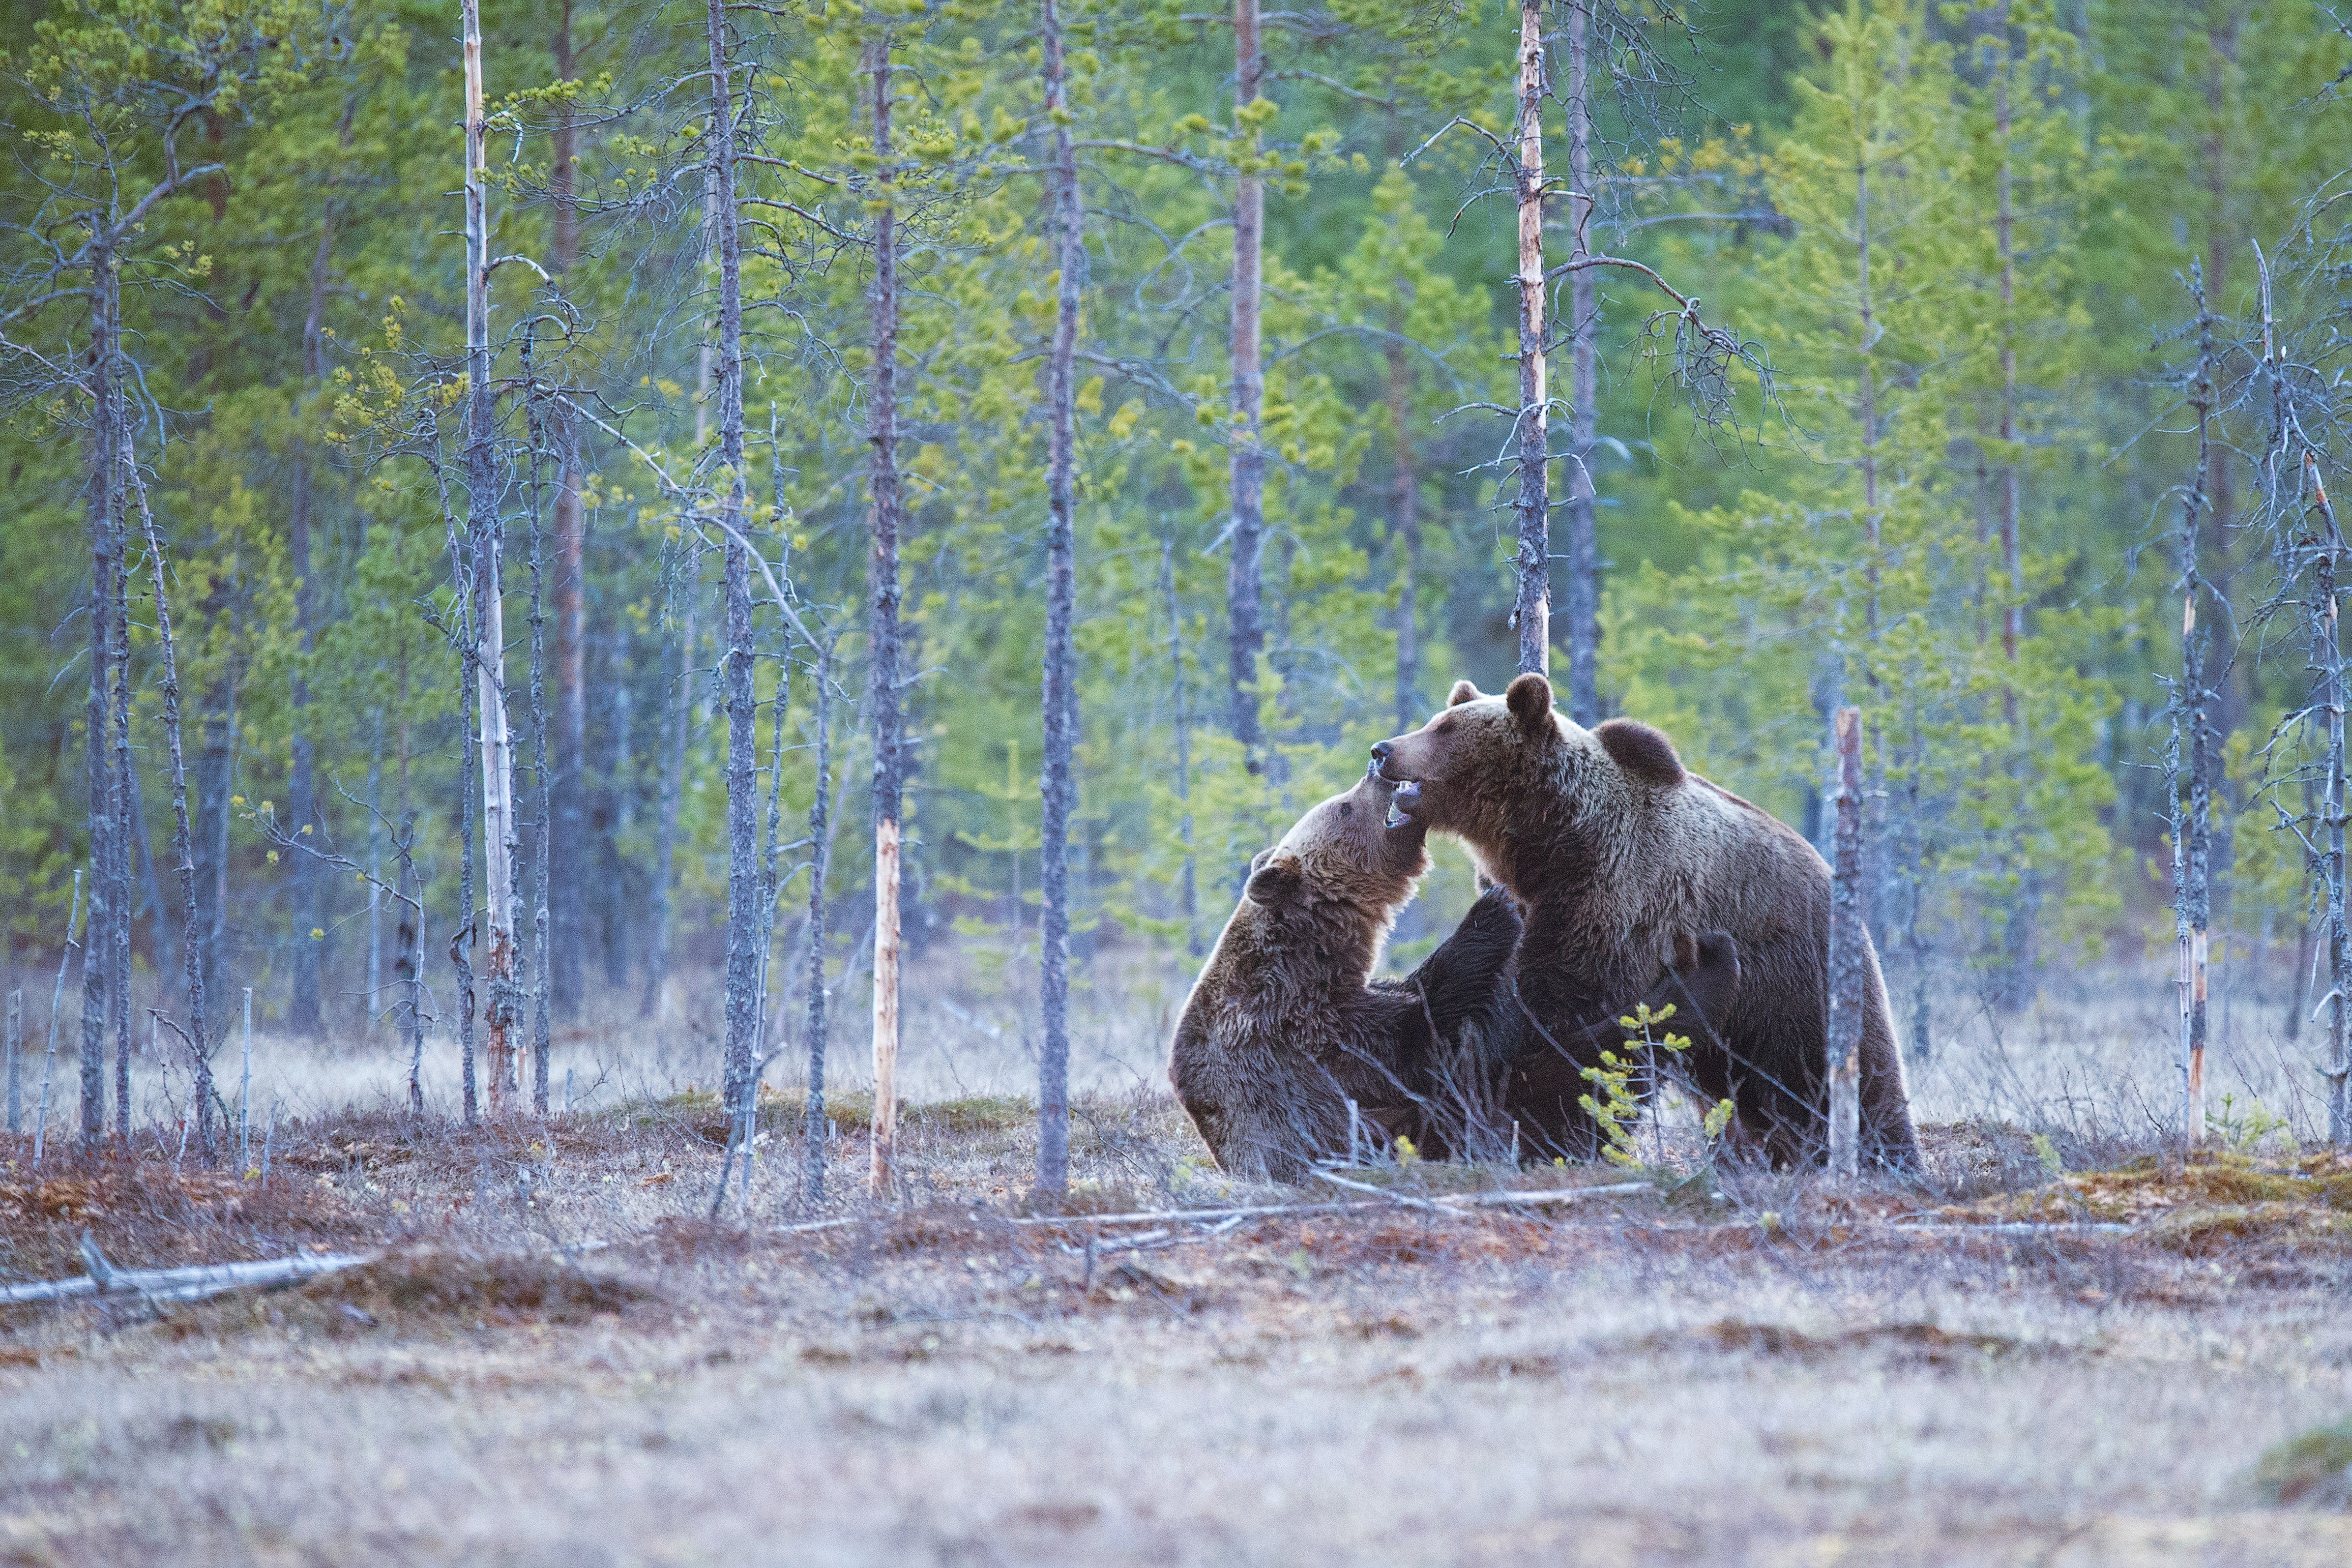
[1349, 854]
[1490, 769]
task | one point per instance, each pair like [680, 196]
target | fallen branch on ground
[191, 1284]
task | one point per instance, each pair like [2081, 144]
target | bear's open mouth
[1401, 803]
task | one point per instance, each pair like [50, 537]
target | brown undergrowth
[1754, 1364]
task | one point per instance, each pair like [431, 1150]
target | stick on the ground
[191, 1284]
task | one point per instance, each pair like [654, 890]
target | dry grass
[557, 1356]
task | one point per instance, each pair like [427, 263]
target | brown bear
[1286, 1025]
[1615, 851]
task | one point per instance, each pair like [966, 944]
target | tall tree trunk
[374, 879]
[1531, 604]
[542, 981]
[124, 844]
[2329, 658]
[1405, 528]
[1849, 968]
[410, 965]
[106, 563]
[2191, 886]
[745, 924]
[820, 865]
[1244, 586]
[1061, 697]
[883, 590]
[1189, 887]
[1584, 387]
[568, 873]
[182, 835]
[499, 828]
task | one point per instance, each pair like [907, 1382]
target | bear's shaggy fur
[1286, 1025]
[1616, 851]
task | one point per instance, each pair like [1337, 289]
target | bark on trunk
[124, 844]
[1244, 586]
[1189, 886]
[1060, 786]
[105, 565]
[567, 879]
[883, 432]
[1531, 602]
[820, 865]
[499, 828]
[746, 926]
[1405, 526]
[2191, 832]
[1584, 388]
[542, 983]
[183, 847]
[2329, 658]
[1849, 956]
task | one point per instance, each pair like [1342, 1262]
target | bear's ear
[1529, 700]
[1643, 752]
[1272, 881]
[1464, 691]
[1263, 856]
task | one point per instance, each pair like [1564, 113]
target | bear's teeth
[1397, 819]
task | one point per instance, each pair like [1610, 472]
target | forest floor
[556, 1358]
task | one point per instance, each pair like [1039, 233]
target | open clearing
[556, 1359]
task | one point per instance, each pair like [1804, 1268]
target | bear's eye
[1346, 809]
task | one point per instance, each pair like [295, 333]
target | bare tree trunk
[184, 845]
[106, 564]
[542, 982]
[2329, 657]
[2191, 887]
[410, 965]
[499, 826]
[467, 933]
[123, 845]
[374, 878]
[1405, 528]
[1531, 604]
[1245, 587]
[1189, 886]
[568, 880]
[1061, 695]
[745, 923]
[1849, 964]
[889, 764]
[1584, 387]
[820, 866]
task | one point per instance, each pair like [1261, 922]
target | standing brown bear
[1616, 851]
[1286, 1025]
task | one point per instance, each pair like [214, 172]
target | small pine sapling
[1617, 1107]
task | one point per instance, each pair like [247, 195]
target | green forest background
[297, 321]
